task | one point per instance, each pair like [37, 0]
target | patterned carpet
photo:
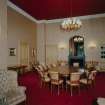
[42, 96]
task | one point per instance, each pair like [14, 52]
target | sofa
[9, 88]
[99, 101]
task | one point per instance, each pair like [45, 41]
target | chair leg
[49, 84]
[93, 83]
[71, 90]
[51, 88]
[66, 86]
[62, 86]
[58, 89]
[41, 84]
[79, 89]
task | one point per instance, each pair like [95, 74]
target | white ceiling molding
[16, 8]
[19, 10]
[80, 17]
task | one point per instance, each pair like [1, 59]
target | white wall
[19, 29]
[40, 43]
[3, 34]
[93, 30]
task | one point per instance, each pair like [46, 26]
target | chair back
[53, 65]
[75, 77]
[92, 75]
[94, 72]
[39, 71]
[62, 64]
[54, 75]
[41, 67]
[44, 67]
[41, 74]
[36, 68]
[81, 70]
[48, 66]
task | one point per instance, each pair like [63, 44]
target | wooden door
[24, 53]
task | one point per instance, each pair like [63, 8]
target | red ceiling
[55, 9]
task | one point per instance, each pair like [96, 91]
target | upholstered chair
[45, 79]
[9, 87]
[44, 66]
[3, 82]
[63, 64]
[55, 80]
[90, 80]
[74, 81]
[101, 101]
[49, 66]
[53, 65]
[94, 73]
[40, 67]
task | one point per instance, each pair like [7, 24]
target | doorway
[76, 51]
[24, 53]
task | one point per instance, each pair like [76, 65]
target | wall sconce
[62, 46]
[92, 45]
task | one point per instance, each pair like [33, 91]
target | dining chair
[45, 79]
[94, 73]
[55, 80]
[90, 79]
[53, 65]
[40, 67]
[74, 81]
[44, 66]
[48, 66]
[63, 64]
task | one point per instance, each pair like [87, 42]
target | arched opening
[76, 51]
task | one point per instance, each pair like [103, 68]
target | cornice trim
[19, 10]
[80, 17]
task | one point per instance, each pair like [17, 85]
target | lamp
[62, 46]
[92, 45]
[71, 23]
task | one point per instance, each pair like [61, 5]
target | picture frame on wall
[12, 51]
[102, 51]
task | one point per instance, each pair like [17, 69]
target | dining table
[20, 69]
[64, 70]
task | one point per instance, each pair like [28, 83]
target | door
[24, 53]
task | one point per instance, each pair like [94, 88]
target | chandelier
[78, 39]
[71, 23]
